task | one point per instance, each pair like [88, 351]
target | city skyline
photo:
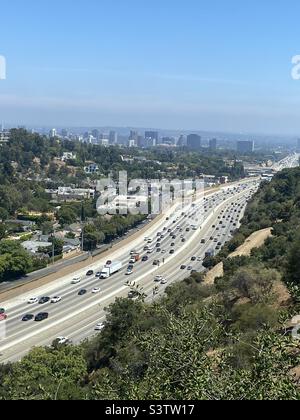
[191, 69]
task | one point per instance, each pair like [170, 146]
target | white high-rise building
[53, 133]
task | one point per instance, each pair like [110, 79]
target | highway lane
[110, 289]
[172, 274]
[85, 327]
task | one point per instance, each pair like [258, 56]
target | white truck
[109, 270]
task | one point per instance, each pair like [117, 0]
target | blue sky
[193, 64]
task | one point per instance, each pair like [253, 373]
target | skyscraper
[245, 146]
[152, 137]
[52, 133]
[194, 142]
[213, 145]
[181, 141]
[113, 137]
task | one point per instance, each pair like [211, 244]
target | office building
[194, 142]
[53, 133]
[4, 136]
[113, 137]
[181, 141]
[132, 143]
[245, 147]
[96, 134]
[213, 145]
[64, 133]
[152, 135]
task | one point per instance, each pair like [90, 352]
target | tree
[46, 374]
[66, 216]
[2, 231]
[293, 263]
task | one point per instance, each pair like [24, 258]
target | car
[129, 272]
[61, 341]
[28, 317]
[32, 301]
[133, 252]
[132, 294]
[183, 240]
[219, 243]
[44, 300]
[190, 268]
[172, 251]
[100, 326]
[146, 248]
[164, 281]
[172, 244]
[174, 237]
[158, 245]
[156, 262]
[41, 317]
[96, 290]
[76, 280]
[56, 299]
[199, 259]
[158, 278]
[145, 258]
[193, 259]
[211, 238]
[183, 267]
[98, 274]
[132, 261]
[194, 272]
[158, 249]
[203, 241]
[90, 273]
[82, 292]
[109, 262]
[130, 267]
[163, 251]
[2, 311]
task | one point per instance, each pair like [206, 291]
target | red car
[3, 317]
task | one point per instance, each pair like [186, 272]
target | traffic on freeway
[71, 309]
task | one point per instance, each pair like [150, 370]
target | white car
[99, 327]
[98, 274]
[164, 281]
[158, 278]
[96, 290]
[129, 272]
[76, 280]
[32, 301]
[62, 340]
[56, 299]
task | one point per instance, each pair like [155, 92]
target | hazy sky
[208, 65]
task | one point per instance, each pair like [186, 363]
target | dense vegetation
[225, 341]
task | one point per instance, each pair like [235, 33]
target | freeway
[291, 161]
[180, 241]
